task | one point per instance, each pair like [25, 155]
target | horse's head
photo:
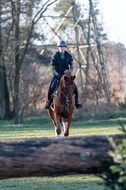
[68, 86]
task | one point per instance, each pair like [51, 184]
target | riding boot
[51, 92]
[77, 104]
[48, 104]
[56, 87]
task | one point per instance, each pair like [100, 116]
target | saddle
[53, 90]
[54, 86]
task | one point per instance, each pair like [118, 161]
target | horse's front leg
[68, 122]
[57, 122]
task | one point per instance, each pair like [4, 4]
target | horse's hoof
[66, 134]
[58, 132]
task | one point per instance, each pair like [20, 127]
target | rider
[61, 61]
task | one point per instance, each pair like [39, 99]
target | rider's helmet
[61, 43]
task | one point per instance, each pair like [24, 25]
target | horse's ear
[73, 77]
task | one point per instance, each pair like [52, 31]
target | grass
[74, 182]
[98, 124]
[43, 127]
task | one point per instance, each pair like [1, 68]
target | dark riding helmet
[61, 43]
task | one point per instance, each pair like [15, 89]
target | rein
[67, 98]
[66, 103]
[64, 106]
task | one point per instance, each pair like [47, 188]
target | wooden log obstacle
[53, 156]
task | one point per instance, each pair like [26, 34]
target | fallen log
[53, 156]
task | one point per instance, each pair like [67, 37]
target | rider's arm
[54, 70]
[53, 63]
[71, 64]
[71, 68]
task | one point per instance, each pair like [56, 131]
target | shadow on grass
[33, 123]
[38, 120]
[74, 182]
[98, 116]
[45, 123]
[98, 124]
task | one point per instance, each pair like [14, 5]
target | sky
[113, 17]
[113, 14]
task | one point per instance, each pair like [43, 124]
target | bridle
[67, 103]
[67, 99]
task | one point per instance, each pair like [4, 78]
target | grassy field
[96, 124]
[74, 182]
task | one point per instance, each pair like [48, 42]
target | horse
[63, 104]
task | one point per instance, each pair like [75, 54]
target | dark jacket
[62, 64]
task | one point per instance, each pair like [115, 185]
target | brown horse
[63, 104]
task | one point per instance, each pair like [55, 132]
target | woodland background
[25, 73]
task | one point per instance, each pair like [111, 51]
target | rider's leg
[77, 104]
[50, 92]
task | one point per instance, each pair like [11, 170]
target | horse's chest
[66, 109]
[63, 110]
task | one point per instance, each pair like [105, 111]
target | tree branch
[34, 21]
[41, 11]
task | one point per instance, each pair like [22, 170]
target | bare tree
[2, 99]
[19, 55]
[5, 111]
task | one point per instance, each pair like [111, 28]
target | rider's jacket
[61, 64]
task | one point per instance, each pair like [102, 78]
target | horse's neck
[60, 94]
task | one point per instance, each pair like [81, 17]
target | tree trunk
[8, 112]
[17, 63]
[88, 49]
[30, 13]
[54, 156]
[2, 92]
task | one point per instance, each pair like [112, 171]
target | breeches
[52, 86]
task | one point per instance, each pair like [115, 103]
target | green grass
[98, 124]
[43, 127]
[74, 182]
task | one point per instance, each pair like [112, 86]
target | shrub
[122, 105]
[114, 177]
